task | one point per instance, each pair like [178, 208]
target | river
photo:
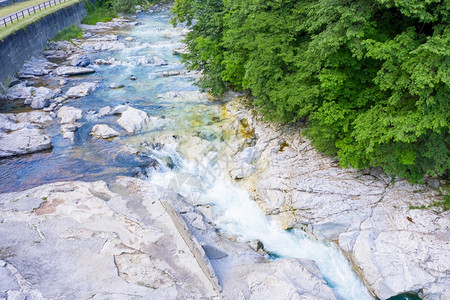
[179, 114]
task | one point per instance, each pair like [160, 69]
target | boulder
[79, 60]
[158, 61]
[23, 141]
[133, 119]
[69, 114]
[71, 71]
[41, 97]
[103, 131]
[104, 111]
[81, 90]
[19, 91]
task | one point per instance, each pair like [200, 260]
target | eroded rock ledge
[397, 249]
[133, 240]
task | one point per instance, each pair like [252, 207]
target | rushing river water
[179, 113]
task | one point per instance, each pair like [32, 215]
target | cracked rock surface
[82, 240]
[397, 249]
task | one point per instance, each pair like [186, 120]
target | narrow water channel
[178, 114]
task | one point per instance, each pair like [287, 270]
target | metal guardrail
[4, 21]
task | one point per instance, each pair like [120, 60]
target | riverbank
[118, 102]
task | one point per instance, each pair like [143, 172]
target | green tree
[371, 78]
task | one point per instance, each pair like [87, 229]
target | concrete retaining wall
[16, 48]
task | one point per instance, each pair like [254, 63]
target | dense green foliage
[371, 78]
[69, 33]
[101, 11]
[106, 10]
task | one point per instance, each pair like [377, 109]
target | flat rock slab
[23, 141]
[80, 240]
[71, 71]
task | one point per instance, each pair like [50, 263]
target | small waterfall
[237, 215]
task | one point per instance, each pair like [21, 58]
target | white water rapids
[237, 215]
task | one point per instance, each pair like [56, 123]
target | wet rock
[79, 60]
[81, 90]
[104, 111]
[158, 61]
[133, 119]
[71, 71]
[103, 131]
[98, 242]
[19, 91]
[23, 141]
[41, 97]
[69, 114]
[115, 85]
[132, 77]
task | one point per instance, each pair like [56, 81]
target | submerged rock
[71, 71]
[103, 131]
[133, 119]
[81, 90]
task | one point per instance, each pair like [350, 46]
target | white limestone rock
[19, 91]
[103, 131]
[133, 119]
[69, 114]
[23, 141]
[41, 97]
[104, 111]
[71, 71]
[79, 239]
[81, 90]
[157, 61]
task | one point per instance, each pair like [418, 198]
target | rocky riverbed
[118, 102]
